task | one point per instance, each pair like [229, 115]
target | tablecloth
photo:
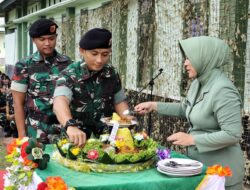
[149, 179]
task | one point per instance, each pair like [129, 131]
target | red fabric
[1, 179]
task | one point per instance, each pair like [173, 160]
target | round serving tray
[100, 167]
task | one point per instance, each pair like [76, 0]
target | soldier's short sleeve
[20, 77]
[65, 82]
[119, 92]
[119, 97]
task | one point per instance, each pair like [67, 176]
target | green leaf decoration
[60, 150]
[42, 146]
[9, 188]
[71, 155]
[21, 176]
[28, 149]
[32, 143]
[136, 158]
[141, 143]
[42, 164]
[30, 157]
[29, 174]
[106, 159]
[109, 154]
[46, 157]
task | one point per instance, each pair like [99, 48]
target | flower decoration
[37, 153]
[54, 183]
[42, 186]
[92, 155]
[75, 151]
[25, 155]
[163, 153]
[23, 149]
[219, 170]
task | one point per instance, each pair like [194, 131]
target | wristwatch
[71, 123]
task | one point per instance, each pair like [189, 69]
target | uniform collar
[104, 73]
[37, 57]
[207, 84]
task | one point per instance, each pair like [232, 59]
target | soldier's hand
[76, 136]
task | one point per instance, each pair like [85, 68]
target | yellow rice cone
[115, 117]
[125, 135]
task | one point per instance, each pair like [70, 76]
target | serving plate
[183, 165]
[179, 174]
[109, 122]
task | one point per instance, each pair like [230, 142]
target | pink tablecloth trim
[2, 172]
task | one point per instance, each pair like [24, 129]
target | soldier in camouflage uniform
[87, 91]
[2, 103]
[34, 82]
[3, 120]
[9, 115]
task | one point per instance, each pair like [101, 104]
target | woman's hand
[182, 139]
[145, 107]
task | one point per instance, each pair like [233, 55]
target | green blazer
[214, 114]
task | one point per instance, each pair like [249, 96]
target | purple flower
[163, 153]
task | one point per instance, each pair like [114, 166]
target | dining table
[148, 179]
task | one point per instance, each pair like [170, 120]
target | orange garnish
[219, 170]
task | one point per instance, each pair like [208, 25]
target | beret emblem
[52, 28]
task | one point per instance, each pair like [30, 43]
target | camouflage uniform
[3, 120]
[92, 94]
[36, 77]
[2, 100]
[8, 124]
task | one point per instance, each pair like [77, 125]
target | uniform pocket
[41, 84]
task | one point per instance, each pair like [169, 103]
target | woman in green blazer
[212, 108]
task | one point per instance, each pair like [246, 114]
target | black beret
[96, 38]
[42, 27]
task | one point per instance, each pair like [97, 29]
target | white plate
[181, 172]
[178, 174]
[162, 164]
[179, 168]
[178, 171]
[108, 121]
